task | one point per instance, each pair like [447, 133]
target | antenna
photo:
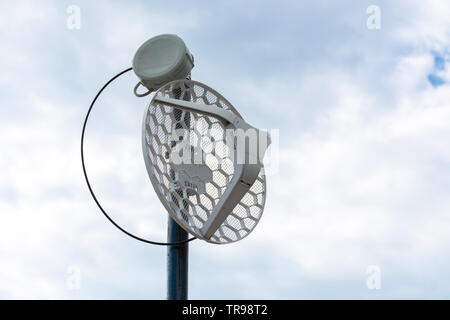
[192, 164]
[204, 160]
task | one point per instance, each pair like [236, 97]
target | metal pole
[177, 263]
[177, 256]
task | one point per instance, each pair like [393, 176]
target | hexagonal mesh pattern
[190, 205]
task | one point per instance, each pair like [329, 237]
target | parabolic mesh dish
[190, 192]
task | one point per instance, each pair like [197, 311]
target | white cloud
[364, 153]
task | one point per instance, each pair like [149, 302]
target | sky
[358, 206]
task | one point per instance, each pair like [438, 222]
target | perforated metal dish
[190, 204]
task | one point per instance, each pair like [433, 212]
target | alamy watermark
[73, 21]
[73, 280]
[374, 19]
[373, 281]
[249, 146]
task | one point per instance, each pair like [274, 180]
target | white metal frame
[244, 175]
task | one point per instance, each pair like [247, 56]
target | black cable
[89, 184]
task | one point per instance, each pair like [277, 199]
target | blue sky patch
[439, 62]
[435, 80]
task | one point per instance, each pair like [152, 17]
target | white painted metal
[161, 59]
[219, 199]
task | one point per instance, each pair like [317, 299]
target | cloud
[363, 149]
